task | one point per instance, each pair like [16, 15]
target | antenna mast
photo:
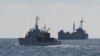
[36, 25]
[73, 27]
[81, 22]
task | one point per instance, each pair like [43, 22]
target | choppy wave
[10, 47]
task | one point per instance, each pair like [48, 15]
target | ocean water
[91, 47]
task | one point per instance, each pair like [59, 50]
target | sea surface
[91, 47]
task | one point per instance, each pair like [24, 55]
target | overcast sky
[18, 16]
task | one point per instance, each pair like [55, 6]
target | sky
[18, 16]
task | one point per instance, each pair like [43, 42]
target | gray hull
[26, 43]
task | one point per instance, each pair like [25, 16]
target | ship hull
[73, 38]
[22, 41]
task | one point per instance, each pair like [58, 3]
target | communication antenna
[44, 27]
[48, 29]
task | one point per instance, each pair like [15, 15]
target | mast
[81, 22]
[73, 27]
[36, 25]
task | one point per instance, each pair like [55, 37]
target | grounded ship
[76, 34]
[38, 37]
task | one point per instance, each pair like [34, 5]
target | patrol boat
[38, 37]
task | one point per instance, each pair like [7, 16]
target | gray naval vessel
[76, 34]
[38, 37]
